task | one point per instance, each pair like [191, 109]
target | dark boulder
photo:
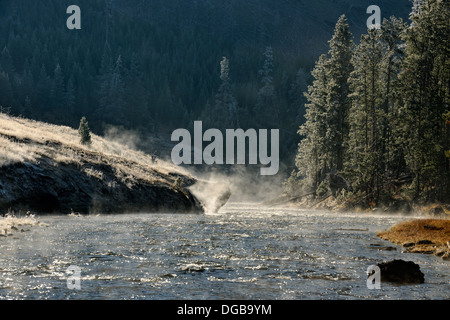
[401, 272]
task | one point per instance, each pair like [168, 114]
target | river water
[244, 252]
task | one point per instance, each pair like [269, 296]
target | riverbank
[10, 224]
[44, 169]
[429, 236]
[345, 203]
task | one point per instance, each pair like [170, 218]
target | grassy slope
[28, 140]
[43, 145]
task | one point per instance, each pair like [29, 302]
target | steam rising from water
[245, 183]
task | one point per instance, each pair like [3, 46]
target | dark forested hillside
[377, 126]
[155, 65]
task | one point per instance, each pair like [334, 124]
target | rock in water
[401, 272]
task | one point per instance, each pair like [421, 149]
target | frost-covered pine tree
[112, 93]
[57, 93]
[322, 149]
[84, 132]
[266, 110]
[338, 71]
[424, 88]
[312, 161]
[223, 113]
[416, 8]
[366, 116]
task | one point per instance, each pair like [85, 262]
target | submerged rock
[401, 272]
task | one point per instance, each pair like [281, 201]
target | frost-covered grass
[11, 224]
[25, 140]
[421, 235]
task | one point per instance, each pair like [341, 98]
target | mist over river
[244, 252]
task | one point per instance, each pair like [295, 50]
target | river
[244, 252]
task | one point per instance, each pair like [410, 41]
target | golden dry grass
[436, 231]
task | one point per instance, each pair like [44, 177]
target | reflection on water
[243, 252]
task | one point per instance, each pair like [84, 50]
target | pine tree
[366, 115]
[267, 115]
[425, 94]
[69, 98]
[112, 94]
[338, 72]
[137, 96]
[311, 160]
[6, 63]
[84, 132]
[393, 162]
[322, 149]
[223, 113]
[57, 94]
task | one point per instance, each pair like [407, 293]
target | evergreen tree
[425, 93]
[84, 132]
[311, 160]
[112, 95]
[366, 115]
[325, 131]
[223, 114]
[137, 96]
[6, 63]
[338, 72]
[266, 110]
[393, 162]
[69, 98]
[57, 94]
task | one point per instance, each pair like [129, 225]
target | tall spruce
[57, 94]
[367, 116]
[112, 94]
[325, 131]
[266, 111]
[393, 162]
[223, 114]
[311, 160]
[338, 69]
[425, 91]
[375, 152]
